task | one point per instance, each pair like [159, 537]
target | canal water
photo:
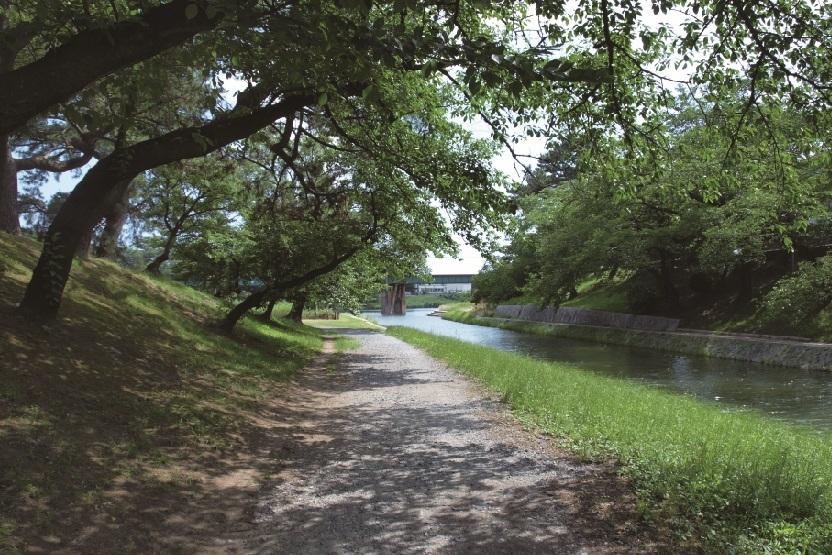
[789, 394]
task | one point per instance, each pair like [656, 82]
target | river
[789, 394]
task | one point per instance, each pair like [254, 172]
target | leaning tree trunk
[156, 264]
[114, 221]
[72, 226]
[89, 201]
[43, 294]
[266, 315]
[276, 290]
[9, 217]
[85, 245]
[255, 299]
[298, 304]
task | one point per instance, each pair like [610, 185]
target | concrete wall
[583, 316]
[765, 350]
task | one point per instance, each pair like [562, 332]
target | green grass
[343, 344]
[738, 482]
[345, 321]
[125, 408]
[601, 296]
[593, 293]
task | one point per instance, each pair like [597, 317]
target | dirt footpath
[392, 452]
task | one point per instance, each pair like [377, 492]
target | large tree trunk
[298, 304]
[9, 217]
[91, 198]
[93, 53]
[255, 299]
[67, 232]
[114, 221]
[85, 244]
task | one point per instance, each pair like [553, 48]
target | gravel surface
[390, 451]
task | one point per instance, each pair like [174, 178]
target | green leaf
[191, 11]
[369, 92]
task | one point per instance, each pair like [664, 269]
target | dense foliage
[712, 219]
[136, 85]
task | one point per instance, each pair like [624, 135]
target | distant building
[442, 283]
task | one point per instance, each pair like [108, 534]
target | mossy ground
[130, 411]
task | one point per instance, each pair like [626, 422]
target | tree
[361, 43]
[331, 201]
[718, 206]
[351, 51]
[185, 197]
[100, 42]
[141, 102]
[50, 157]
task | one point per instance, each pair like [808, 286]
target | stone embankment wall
[766, 350]
[586, 317]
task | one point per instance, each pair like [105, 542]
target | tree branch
[94, 53]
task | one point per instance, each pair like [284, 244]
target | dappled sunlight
[392, 454]
[127, 410]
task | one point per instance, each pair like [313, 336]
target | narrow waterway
[790, 394]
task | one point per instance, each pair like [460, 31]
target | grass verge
[736, 481]
[344, 321]
[129, 425]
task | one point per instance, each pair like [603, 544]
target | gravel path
[392, 452]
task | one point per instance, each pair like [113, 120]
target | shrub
[802, 295]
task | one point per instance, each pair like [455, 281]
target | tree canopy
[346, 130]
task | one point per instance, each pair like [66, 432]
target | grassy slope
[593, 294]
[128, 409]
[736, 480]
[606, 297]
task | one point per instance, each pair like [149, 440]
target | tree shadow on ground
[127, 425]
[393, 457]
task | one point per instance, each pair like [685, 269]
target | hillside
[129, 409]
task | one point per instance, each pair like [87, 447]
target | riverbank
[764, 350]
[736, 481]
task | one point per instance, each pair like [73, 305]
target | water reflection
[791, 394]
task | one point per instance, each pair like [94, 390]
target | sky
[470, 261]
